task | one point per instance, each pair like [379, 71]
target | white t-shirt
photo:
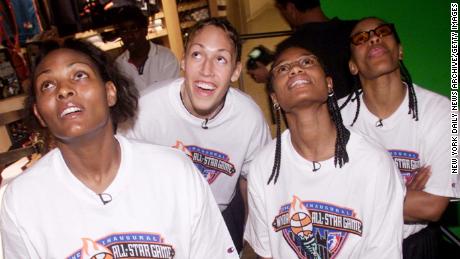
[349, 212]
[161, 64]
[221, 152]
[414, 143]
[160, 207]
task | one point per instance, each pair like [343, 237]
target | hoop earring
[276, 106]
[330, 93]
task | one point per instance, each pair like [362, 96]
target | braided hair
[343, 134]
[405, 77]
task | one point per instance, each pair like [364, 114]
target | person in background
[412, 123]
[320, 190]
[220, 128]
[329, 36]
[258, 59]
[143, 61]
[257, 66]
[97, 194]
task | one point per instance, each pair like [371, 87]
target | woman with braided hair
[412, 123]
[320, 190]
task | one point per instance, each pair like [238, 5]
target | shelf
[187, 24]
[105, 46]
[13, 103]
[193, 5]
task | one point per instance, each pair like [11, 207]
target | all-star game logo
[408, 162]
[210, 163]
[314, 229]
[125, 245]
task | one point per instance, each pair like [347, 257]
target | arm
[243, 184]
[385, 224]
[14, 245]
[210, 236]
[420, 206]
[429, 203]
[256, 232]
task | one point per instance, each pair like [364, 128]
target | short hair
[223, 24]
[128, 13]
[301, 5]
[127, 95]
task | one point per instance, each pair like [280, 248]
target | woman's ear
[111, 91]
[401, 52]
[330, 84]
[353, 68]
[182, 63]
[236, 72]
[38, 116]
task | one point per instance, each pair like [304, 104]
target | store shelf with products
[156, 30]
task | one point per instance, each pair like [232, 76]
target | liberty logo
[316, 230]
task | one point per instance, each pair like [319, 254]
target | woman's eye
[80, 75]
[306, 62]
[222, 60]
[283, 68]
[47, 85]
[196, 54]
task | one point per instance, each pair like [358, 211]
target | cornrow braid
[413, 107]
[343, 134]
[277, 160]
[357, 90]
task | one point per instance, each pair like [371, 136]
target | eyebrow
[68, 66]
[204, 47]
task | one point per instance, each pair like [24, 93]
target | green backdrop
[424, 29]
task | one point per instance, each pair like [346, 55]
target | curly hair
[127, 95]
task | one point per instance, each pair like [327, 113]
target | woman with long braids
[320, 190]
[412, 123]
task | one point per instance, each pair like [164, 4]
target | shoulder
[147, 154]
[431, 102]
[162, 50]
[42, 171]
[158, 91]
[364, 148]
[122, 57]
[244, 102]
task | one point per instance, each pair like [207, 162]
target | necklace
[204, 124]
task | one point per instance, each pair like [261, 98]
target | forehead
[211, 36]
[292, 53]
[367, 24]
[63, 57]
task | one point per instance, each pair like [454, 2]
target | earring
[276, 106]
[330, 92]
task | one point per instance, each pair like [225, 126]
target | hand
[420, 179]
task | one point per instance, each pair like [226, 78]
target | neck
[313, 133]
[208, 114]
[383, 95]
[93, 160]
[140, 53]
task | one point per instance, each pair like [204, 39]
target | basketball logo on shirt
[407, 161]
[314, 229]
[211, 163]
[125, 245]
